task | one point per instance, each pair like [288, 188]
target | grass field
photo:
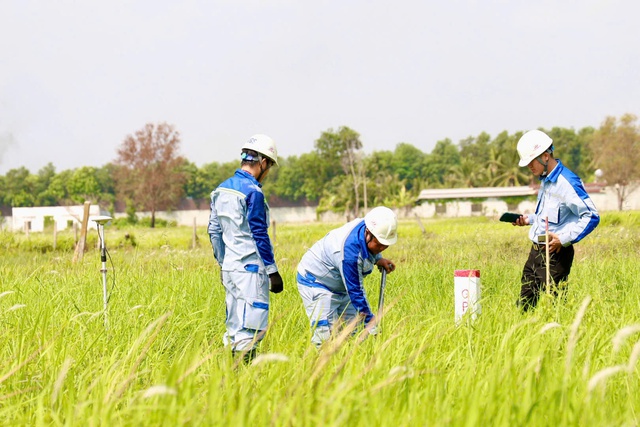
[573, 361]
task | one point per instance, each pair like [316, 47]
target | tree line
[149, 173]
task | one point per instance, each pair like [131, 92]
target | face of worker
[266, 165]
[536, 167]
[373, 245]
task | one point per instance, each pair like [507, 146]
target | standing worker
[331, 273]
[238, 230]
[564, 203]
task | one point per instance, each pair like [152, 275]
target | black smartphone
[509, 217]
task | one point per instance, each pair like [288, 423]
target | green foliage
[44, 179]
[299, 178]
[132, 218]
[628, 220]
[18, 188]
[83, 185]
[213, 174]
[573, 149]
[126, 240]
[196, 185]
[159, 222]
[123, 222]
[337, 173]
[440, 162]
[343, 148]
[39, 242]
[407, 163]
[57, 189]
[573, 361]
[476, 148]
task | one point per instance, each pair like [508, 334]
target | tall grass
[572, 361]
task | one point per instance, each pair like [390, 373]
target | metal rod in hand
[546, 248]
[383, 282]
[103, 270]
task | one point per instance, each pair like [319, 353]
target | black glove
[276, 283]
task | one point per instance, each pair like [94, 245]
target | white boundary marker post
[467, 293]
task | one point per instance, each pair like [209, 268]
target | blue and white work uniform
[564, 201]
[238, 229]
[330, 278]
[572, 215]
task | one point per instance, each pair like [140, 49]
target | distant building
[34, 218]
[488, 201]
[440, 202]
[475, 193]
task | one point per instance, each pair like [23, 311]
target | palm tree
[504, 171]
[467, 173]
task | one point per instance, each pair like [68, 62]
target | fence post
[55, 234]
[194, 239]
[424, 232]
[79, 253]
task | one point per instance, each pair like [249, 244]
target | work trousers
[534, 275]
[325, 309]
[247, 303]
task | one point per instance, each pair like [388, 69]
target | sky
[77, 77]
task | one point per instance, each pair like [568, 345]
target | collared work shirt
[339, 262]
[564, 201]
[238, 226]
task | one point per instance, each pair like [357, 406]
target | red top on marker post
[466, 273]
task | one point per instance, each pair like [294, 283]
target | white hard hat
[531, 145]
[383, 224]
[264, 145]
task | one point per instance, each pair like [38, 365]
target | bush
[160, 223]
[126, 240]
[620, 219]
[123, 222]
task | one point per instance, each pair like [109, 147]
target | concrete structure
[279, 215]
[33, 218]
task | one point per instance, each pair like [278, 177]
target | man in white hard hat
[331, 273]
[564, 203]
[241, 245]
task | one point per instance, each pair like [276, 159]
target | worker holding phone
[564, 211]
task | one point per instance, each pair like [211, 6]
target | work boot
[247, 356]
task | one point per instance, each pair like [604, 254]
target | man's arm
[257, 218]
[581, 205]
[353, 278]
[215, 233]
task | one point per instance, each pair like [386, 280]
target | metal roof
[491, 192]
[477, 192]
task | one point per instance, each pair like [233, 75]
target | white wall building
[33, 218]
[454, 202]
